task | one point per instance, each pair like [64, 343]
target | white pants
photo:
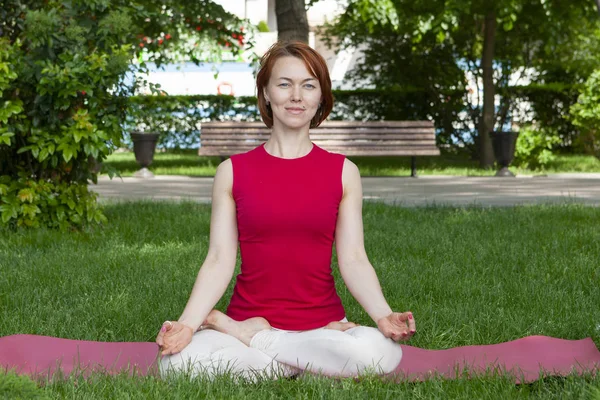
[277, 353]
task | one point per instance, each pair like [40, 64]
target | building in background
[237, 78]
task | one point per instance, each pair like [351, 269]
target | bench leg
[413, 167]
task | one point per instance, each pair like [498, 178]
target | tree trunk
[292, 23]
[598, 4]
[486, 154]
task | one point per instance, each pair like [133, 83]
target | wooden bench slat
[345, 151]
[314, 132]
[264, 138]
[242, 124]
[417, 150]
[328, 142]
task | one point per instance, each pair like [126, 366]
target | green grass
[190, 164]
[470, 276]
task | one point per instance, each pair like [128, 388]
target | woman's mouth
[295, 110]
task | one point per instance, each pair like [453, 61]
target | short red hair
[315, 64]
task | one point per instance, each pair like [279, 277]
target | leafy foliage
[65, 76]
[534, 147]
[178, 118]
[586, 114]
[547, 107]
[35, 203]
[13, 386]
[437, 46]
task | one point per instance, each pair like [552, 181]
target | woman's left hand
[398, 326]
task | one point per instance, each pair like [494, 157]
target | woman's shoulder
[224, 174]
[246, 155]
[330, 154]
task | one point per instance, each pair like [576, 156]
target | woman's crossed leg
[252, 348]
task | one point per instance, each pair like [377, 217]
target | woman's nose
[296, 93]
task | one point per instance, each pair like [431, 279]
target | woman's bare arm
[356, 270]
[218, 267]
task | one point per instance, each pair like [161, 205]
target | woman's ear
[265, 96]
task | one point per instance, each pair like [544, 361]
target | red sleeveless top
[286, 215]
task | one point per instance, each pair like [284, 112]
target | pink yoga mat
[525, 359]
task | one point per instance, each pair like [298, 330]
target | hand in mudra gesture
[173, 337]
[398, 326]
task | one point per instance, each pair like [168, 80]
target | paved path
[426, 190]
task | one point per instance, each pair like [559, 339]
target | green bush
[60, 113]
[586, 114]
[17, 387]
[534, 147]
[177, 118]
[34, 203]
[65, 69]
[404, 105]
[549, 110]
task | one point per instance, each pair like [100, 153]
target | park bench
[351, 138]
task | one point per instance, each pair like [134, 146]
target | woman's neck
[288, 143]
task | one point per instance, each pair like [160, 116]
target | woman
[285, 202]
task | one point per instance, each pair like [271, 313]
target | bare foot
[340, 326]
[243, 330]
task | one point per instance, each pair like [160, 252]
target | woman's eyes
[308, 85]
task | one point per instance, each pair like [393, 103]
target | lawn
[470, 276]
[187, 162]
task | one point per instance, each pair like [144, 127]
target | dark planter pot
[144, 145]
[504, 144]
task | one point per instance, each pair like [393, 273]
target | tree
[292, 23]
[63, 90]
[490, 40]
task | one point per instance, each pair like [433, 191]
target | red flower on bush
[83, 92]
[198, 28]
[167, 36]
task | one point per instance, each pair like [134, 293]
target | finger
[174, 349]
[167, 326]
[403, 317]
[160, 337]
[179, 347]
[412, 325]
[389, 333]
[170, 342]
[167, 350]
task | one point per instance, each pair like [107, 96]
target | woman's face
[293, 92]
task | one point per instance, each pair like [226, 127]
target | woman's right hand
[174, 337]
